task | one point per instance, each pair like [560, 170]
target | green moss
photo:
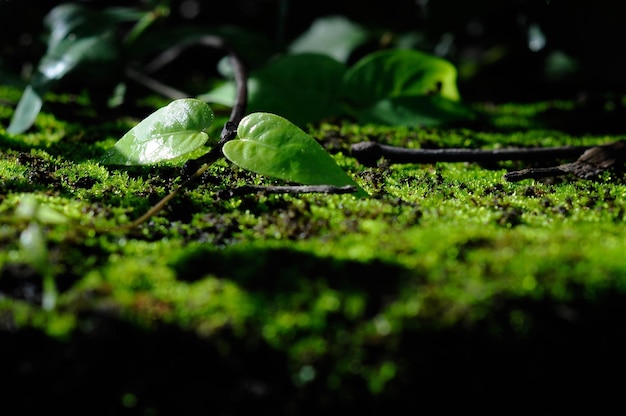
[336, 284]
[20, 315]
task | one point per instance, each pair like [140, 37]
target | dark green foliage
[387, 87]
[397, 87]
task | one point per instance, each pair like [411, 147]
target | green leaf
[26, 111]
[302, 88]
[78, 38]
[96, 50]
[398, 73]
[334, 36]
[272, 146]
[168, 133]
[404, 88]
[71, 20]
[415, 111]
[30, 209]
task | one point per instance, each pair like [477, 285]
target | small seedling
[268, 145]
[401, 87]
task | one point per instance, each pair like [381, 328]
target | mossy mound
[449, 288]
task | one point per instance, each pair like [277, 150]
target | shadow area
[525, 355]
[112, 367]
[270, 272]
[557, 359]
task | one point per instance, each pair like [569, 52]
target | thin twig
[155, 85]
[369, 153]
[535, 173]
[590, 164]
[288, 189]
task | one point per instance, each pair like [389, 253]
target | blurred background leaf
[415, 111]
[397, 73]
[335, 36]
[303, 88]
[78, 37]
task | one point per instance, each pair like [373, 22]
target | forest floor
[448, 288]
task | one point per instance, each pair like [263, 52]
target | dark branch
[591, 163]
[241, 84]
[535, 173]
[369, 153]
[295, 189]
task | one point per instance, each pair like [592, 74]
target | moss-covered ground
[448, 288]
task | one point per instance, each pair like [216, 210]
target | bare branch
[591, 163]
[288, 189]
[369, 153]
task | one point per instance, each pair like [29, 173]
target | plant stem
[239, 108]
[200, 165]
[369, 153]
[241, 84]
[154, 85]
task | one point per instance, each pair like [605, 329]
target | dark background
[495, 44]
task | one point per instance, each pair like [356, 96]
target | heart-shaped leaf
[272, 146]
[168, 133]
[398, 73]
